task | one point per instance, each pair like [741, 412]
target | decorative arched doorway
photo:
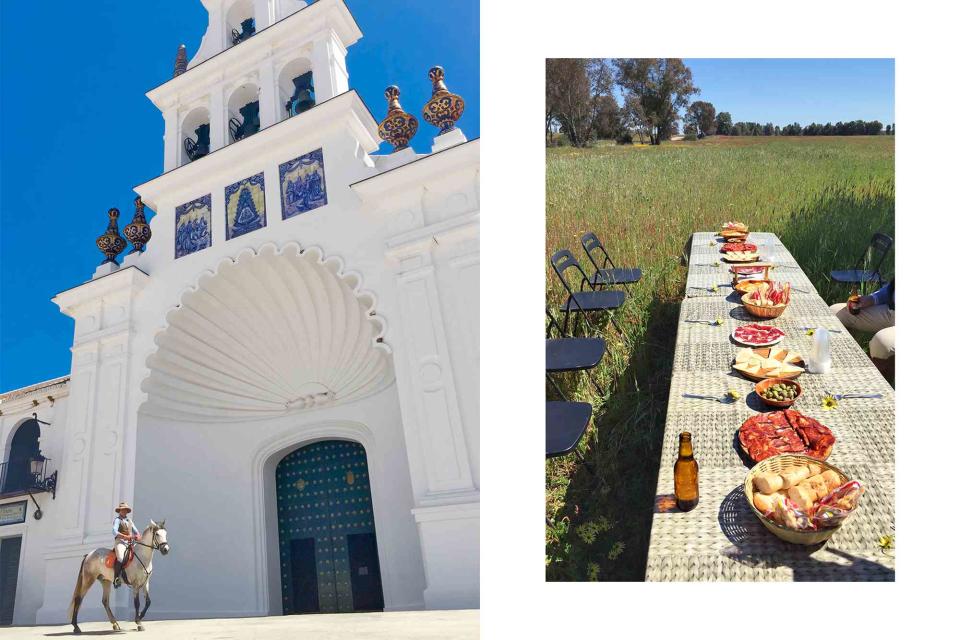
[328, 544]
[24, 447]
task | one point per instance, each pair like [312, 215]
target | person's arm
[116, 527]
[881, 296]
[136, 532]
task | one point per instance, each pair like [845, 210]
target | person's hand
[865, 302]
[854, 306]
[137, 536]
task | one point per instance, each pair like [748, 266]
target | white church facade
[288, 372]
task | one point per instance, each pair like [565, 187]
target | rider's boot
[118, 571]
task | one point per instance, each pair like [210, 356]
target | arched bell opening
[195, 131]
[240, 22]
[15, 472]
[325, 531]
[296, 88]
[243, 110]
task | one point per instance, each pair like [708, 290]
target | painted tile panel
[192, 226]
[303, 185]
[246, 206]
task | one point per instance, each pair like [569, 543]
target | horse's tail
[75, 600]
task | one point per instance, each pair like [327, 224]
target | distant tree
[776, 130]
[607, 117]
[893, 129]
[663, 86]
[768, 129]
[568, 98]
[702, 115]
[634, 117]
[690, 128]
[724, 124]
[888, 129]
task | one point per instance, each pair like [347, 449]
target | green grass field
[823, 196]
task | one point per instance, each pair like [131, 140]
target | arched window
[296, 87]
[244, 111]
[240, 24]
[196, 135]
[24, 447]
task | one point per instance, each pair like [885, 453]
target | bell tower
[236, 84]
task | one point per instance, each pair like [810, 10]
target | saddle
[112, 559]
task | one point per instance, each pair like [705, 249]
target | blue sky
[76, 137]
[808, 90]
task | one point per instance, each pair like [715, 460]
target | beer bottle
[853, 301]
[686, 483]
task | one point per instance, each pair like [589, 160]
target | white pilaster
[171, 133]
[218, 119]
[267, 82]
[97, 425]
[328, 57]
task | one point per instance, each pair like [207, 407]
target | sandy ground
[397, 625]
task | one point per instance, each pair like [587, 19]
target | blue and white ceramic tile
[193, 226]
[246, 206]
[303, 185]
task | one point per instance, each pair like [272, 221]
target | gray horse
[94, 567]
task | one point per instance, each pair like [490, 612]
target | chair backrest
[880, 244]
[563, 260]
[590, 243]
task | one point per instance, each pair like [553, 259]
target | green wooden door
[323, 500]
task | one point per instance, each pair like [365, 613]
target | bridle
[155, 545]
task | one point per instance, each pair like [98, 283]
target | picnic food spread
[778, 443]
[780, 391]
[769, 294]
[805, 497]
[737, 246]
[757, 335]
[741, 256]
[771, 362]
[788, 431]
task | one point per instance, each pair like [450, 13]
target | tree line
[580, 105]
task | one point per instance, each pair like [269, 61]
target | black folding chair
[572, 354]
[583, 301]
[880, 243]
[566, 424]
[605, 271]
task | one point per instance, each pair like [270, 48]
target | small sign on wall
[13, 513]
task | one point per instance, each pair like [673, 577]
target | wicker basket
[764, 312]
[776, 464]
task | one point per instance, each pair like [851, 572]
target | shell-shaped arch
[267, 334]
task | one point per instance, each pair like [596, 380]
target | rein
[153, 545]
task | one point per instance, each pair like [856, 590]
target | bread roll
[817, 485]
[803, 496]
[815, 469]
[767, 483]
[764, 503]
[793, 476]
[832, 478]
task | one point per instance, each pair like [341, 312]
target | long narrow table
[721, 539]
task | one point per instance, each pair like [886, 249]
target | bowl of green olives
[778, 392]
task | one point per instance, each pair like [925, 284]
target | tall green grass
[824, 197]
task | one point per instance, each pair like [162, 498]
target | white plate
[753, 344]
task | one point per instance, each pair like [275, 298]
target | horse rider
[124, 533]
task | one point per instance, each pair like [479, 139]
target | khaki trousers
[878, 320]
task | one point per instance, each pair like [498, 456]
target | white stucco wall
[206, 481]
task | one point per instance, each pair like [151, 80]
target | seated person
[872, 313]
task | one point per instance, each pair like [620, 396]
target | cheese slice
[789, 368]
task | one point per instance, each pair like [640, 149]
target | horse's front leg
[146, 605]
[136, 608]
[106, 604]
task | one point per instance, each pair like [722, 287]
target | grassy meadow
[824, 197]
